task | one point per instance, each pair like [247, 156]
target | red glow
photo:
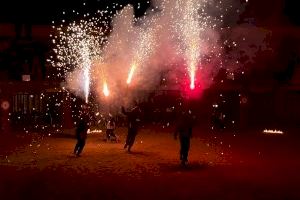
[194, 92]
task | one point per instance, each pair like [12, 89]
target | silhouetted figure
[133, 122]
[184, 127]
[81, 131]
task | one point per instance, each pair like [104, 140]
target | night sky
[43, 12]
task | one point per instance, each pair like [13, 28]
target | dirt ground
[223, 165]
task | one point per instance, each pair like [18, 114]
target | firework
[192, 38]
[77, 48]
[188, 31]
[192, 24]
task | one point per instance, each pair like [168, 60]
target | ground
[222, 165]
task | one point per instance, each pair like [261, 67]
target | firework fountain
[78, 48]
[197, 32]
[190, 33]
[140, 49]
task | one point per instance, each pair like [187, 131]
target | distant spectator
[110, 128]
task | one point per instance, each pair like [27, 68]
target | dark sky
[292, 11]
[44, 11]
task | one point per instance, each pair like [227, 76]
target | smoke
[175, 40]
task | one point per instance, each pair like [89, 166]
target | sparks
[77, 47]
[192, 23]
[191, 37]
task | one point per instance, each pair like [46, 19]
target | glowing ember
[105, 89]
[278, 132]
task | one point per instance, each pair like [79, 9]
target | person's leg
[82, 144]
[181, 153]
[127, 138]
[76, 146]
[132, 139]
[187, 148]
[107, 134]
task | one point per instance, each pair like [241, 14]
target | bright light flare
[192, 58]
[86, 75]
[192, 77]
[105, 89]
[130, 74]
